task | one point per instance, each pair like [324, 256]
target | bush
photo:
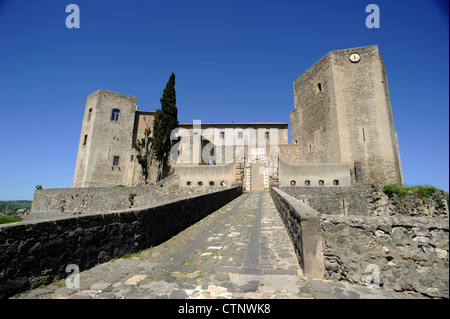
[424, 191]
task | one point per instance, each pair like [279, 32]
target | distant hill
[11, 206]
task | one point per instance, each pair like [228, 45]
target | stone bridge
[241, 250]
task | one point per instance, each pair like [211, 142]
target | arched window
[211, 183]
[293, 183]
[189, 183]
[307, 183]
[115, 115]
[200, 183]
[321, 183]
[222, 183]
[335, 182]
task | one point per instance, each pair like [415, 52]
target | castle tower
[343, 115]
[105, 153]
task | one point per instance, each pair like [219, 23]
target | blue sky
[233, 60]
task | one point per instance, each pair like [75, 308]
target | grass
[424, 191]
[5, 219]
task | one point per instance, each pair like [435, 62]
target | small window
[89, 114]
[211, 183]
[131, 158]
[115, 115]
[307, 183]
[222, 134]
[267, 134]
[189, 183]
[116, 160]
[240, 135]
[85, 140]
[335, 182]
[319, 86]
[295, 141]
[321, 183]
[293, 183]
[200, 183]
[222, 183]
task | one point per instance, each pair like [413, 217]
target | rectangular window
[222, 134]
[267, 134]
[240, 135]
[85, 140]
[116, 160]
[115, 115]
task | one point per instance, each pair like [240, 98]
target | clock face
[355, 57]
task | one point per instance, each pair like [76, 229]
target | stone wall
[397, 253]
[38, 252]
[206, 175]
[314, 121]
[303, 226]
[329, 173]
[368, 200]
[60, 202]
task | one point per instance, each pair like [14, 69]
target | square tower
[105, 151]
[343, 114]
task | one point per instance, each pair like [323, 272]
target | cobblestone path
[240, 251]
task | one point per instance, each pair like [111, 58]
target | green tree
[165, 120]
[145, 155]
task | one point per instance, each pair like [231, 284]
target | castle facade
[341, 131]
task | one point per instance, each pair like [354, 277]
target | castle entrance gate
[257, 175]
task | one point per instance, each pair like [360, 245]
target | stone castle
[326, 185]
[341, 130]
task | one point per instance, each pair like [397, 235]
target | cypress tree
[165, 120]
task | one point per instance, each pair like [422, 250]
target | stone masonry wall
[60, 202]
[398, 253]
[403, 242]
[368, 200]
[303, 226]
[37, 252]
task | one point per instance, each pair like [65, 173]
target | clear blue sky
[233, 60]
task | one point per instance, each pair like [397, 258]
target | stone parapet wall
[397, 253]
[303, 226]
[330, 174]
[367, 200]
[333, 200]
[38, 252]
[61, 202]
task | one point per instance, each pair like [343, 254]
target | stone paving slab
[240, 251]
